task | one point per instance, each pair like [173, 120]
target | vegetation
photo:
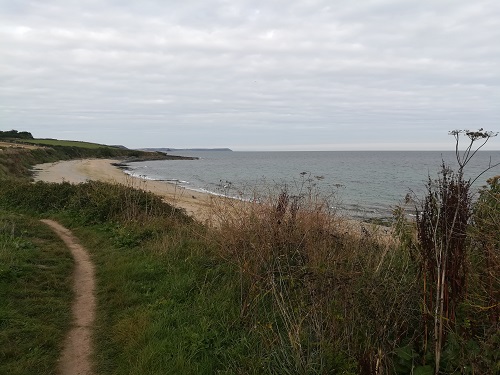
[485, 244]
[57, 142]
[35, 295]
[168, 305]
[160, 288]
[444, 252]
[282, 286]
[27, 137]
[14, 134]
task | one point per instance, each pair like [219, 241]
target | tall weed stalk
[445, 252]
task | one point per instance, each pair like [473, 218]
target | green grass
[35, 295]
[57, 142]
[167, 305]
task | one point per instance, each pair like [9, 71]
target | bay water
[364, 184]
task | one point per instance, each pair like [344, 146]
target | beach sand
[195, 203]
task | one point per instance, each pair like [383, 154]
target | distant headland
[163, 149]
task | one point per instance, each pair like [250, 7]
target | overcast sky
[251, 74]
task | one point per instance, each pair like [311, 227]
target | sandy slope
[76, 171]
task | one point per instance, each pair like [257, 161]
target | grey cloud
[376, 70]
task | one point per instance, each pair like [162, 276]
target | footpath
[77, 352]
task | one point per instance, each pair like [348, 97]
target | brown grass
[314, 283]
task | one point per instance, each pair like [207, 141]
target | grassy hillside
[57, 142]
[25, 137]
[16, 161]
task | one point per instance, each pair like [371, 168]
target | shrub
[452, 255]
[91, 202]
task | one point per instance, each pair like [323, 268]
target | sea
[359, 184]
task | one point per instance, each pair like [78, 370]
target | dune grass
[35, 295]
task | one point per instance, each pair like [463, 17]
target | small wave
[141, 176]
[413, 215]
[219, 194]
[177, 181]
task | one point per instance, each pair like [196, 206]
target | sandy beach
[195, 203]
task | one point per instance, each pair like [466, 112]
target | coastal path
[76, 355]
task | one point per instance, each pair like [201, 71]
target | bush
[90, 202]
[15, 134]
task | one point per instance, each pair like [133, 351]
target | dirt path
[76, 356]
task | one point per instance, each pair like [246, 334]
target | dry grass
[329, 294]
[322, 291]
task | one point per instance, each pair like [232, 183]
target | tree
[15, 135]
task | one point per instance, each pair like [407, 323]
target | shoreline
[195, 203]
[198, 205]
